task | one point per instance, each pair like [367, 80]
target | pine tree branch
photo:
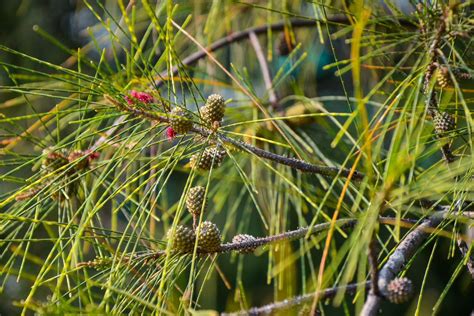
[237, 37]
[294, 163]
[244, 35]
[402, 254]
[286, 236]
[431, 95]
[270, 309]
[257, 242]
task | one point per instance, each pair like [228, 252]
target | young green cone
[209, 237]
[214, 109]
[195, 200]
[180, 121]
[183, 239]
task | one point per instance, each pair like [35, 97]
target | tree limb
[294, 163]
[405, 250]
[270, 309]
[244, 34]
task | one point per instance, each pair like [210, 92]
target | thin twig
[286, 236]
[264, 68]
[244, 34]
[433, 51]
[374, 269]
[468, 254]
[431, 95]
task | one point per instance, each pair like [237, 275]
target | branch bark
[298, 300]
[405, 250]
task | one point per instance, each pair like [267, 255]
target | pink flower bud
[170, 133]
[140, 96]
[129, 100]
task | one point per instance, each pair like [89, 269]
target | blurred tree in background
[254, 157]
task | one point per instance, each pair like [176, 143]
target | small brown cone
[442, 76]
[399, 290]
[212, 157]
[443, 123]
[241, 238]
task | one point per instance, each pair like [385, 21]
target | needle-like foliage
[332, 160]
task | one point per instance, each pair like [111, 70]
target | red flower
[170, 133]
[129, 100]
[143, 97]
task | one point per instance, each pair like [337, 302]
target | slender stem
[374, 270]
[244, 34]
[468, 254]
[270, 309]
[287, 236]
[433, 52]
[237, 37]
[264, 68]
[431, 96]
